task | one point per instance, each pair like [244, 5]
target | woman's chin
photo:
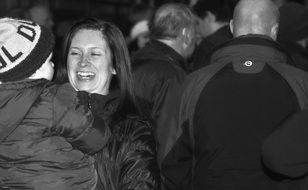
[84, 88]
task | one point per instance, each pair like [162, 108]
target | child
[39, 120]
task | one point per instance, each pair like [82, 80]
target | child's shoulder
[62, 92]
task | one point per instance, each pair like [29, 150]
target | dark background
[65, 12]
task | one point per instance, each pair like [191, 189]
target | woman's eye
[96, 54]
[74, 53]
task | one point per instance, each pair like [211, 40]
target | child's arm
[75, 121]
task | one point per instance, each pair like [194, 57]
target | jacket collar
[157, 50]
[101, 104]
[256, 48]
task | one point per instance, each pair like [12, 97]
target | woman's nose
[84, 61]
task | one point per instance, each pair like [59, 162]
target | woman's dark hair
[120, 60]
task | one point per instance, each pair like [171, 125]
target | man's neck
[219, 25]
[171, 43]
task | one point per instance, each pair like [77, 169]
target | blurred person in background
[38, 13]
[41, 14]
[138, 13]
[139, 36]
[18, 13]
[160, 66]
[293, 32]
[213, 19]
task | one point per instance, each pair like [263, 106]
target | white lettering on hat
[2, 62]
[19, 39]
[12, 58]
[27, 31]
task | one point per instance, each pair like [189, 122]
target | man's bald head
[255, 17]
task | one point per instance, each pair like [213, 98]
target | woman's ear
[113, 71]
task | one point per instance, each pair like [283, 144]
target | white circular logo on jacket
[248, 63]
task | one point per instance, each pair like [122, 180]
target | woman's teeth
[85, 75]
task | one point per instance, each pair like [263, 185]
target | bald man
[255, 17]
[224, 111]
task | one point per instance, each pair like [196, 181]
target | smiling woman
[89, 62]
[98, 64]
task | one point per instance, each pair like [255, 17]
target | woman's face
[89, 62]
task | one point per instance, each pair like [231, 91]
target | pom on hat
[24, 47]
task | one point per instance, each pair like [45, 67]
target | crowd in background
[206, 94]
[136, 28]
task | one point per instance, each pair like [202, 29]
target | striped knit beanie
[24, 47]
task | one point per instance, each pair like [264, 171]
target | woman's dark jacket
[129, 159]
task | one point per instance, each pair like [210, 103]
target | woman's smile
[85, 75]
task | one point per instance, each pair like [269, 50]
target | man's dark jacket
[223, 113]
[285, 151]
[207, 45]
[157, 69]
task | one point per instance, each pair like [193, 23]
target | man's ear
[231, 26]
[274, 31]
[187, 35]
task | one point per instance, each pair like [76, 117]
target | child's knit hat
[24, 47]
